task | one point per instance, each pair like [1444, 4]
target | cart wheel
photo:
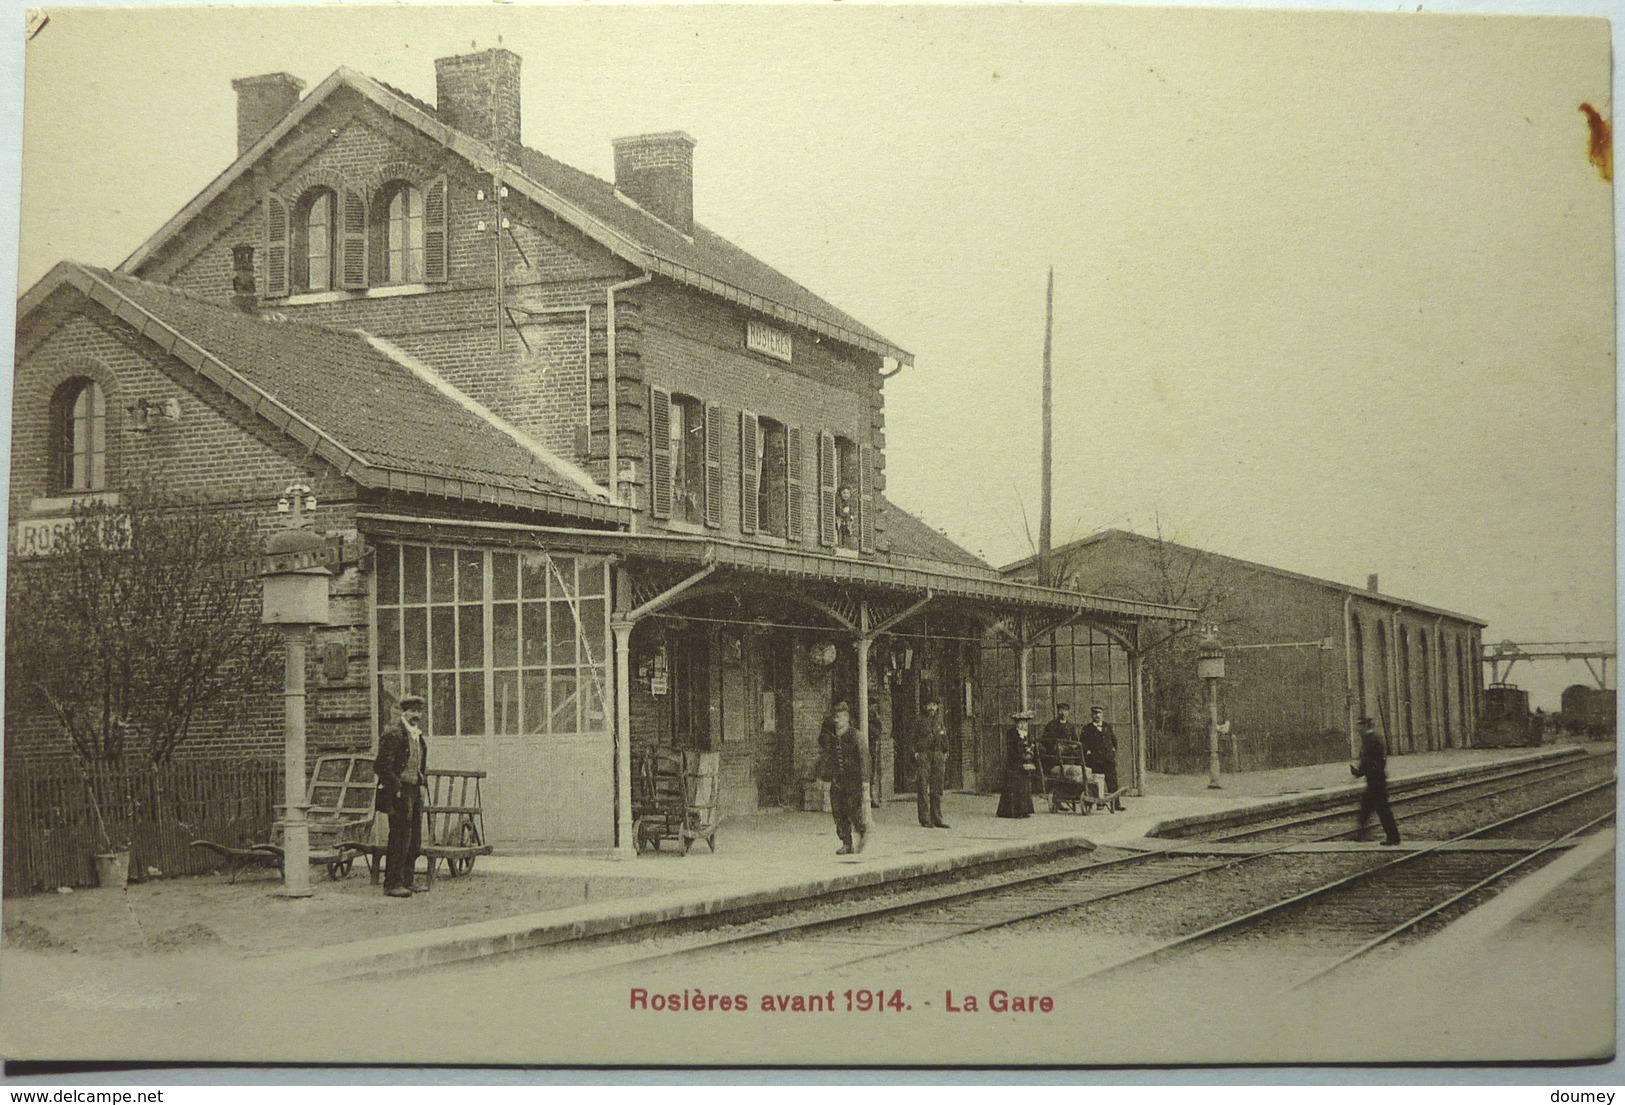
[460, 865]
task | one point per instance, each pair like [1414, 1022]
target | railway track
[828, 937]
[1323, 929]
[1415, 806]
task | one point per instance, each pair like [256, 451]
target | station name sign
[765, 339]
[33, 537]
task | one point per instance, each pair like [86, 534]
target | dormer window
[79, 446]
[315, 244]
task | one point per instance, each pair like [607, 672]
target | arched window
[315, 245]
[400, 237]
[1358, 635]
[79, 451]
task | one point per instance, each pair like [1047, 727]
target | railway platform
[512, 901]
[774, 858]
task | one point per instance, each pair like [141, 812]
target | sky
[1334, 291]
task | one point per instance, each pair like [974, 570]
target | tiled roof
[706, 254]
[705, 261]
[367, 412]
[908, 538]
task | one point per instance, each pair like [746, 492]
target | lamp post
[295, 599]
[1210, 666]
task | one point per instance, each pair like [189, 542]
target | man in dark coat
[1100, 750]
[930, 764]
[403, 757]
[1373, 767]
[1057, 730]
[847, 758]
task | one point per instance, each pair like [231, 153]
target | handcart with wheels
[676, 798]
[1069, 784]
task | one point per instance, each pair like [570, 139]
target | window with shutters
[848, 493]
[772, 478]
[315, 243]
[688, 460]
[79, 436]
[400, 226]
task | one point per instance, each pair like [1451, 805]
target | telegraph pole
[1044, 509]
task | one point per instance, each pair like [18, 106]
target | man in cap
[1373, 767]
[403, 757]
[846, 756]
[930, 764]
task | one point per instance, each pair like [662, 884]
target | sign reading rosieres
[762, 338]
[40, 536]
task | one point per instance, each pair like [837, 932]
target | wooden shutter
[276, 247]
[434, 231]
[750, 472]
[827, 477]
[792, 483]
[713, 466]
[866, 498]
[352, 216]
[660, 452]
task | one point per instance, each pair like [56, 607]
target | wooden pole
[1048, 459]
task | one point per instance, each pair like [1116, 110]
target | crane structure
[1510, 652]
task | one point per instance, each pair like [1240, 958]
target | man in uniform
[930, 764]
[1373, 767]
[1058, 729]
[1100, 750]
[403, 757]
[848, 768]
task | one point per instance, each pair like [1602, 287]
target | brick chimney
[1371, 583]
[261, 102]
[656, 171]
[478, 94]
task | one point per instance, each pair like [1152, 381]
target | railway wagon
[1588, 711]
[1506, 721]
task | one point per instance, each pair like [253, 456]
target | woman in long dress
[1016, 799]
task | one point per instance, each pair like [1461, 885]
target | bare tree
[141, 620]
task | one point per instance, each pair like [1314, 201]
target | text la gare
[999, 1001]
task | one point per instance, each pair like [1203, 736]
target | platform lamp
[295, 600]
[1210, 666]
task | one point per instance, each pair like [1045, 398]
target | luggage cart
[1068, 783]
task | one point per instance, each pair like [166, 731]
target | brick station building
[604, 480]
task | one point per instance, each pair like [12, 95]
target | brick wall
[216, 451]
[675, 338]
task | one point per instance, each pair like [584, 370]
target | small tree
[141, 621]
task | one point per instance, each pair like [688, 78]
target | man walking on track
[930, 764]
[1373, 767]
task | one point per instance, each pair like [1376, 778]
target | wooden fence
[51, 829]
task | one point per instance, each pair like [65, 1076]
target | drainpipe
[1443, 680]
[611, 382]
